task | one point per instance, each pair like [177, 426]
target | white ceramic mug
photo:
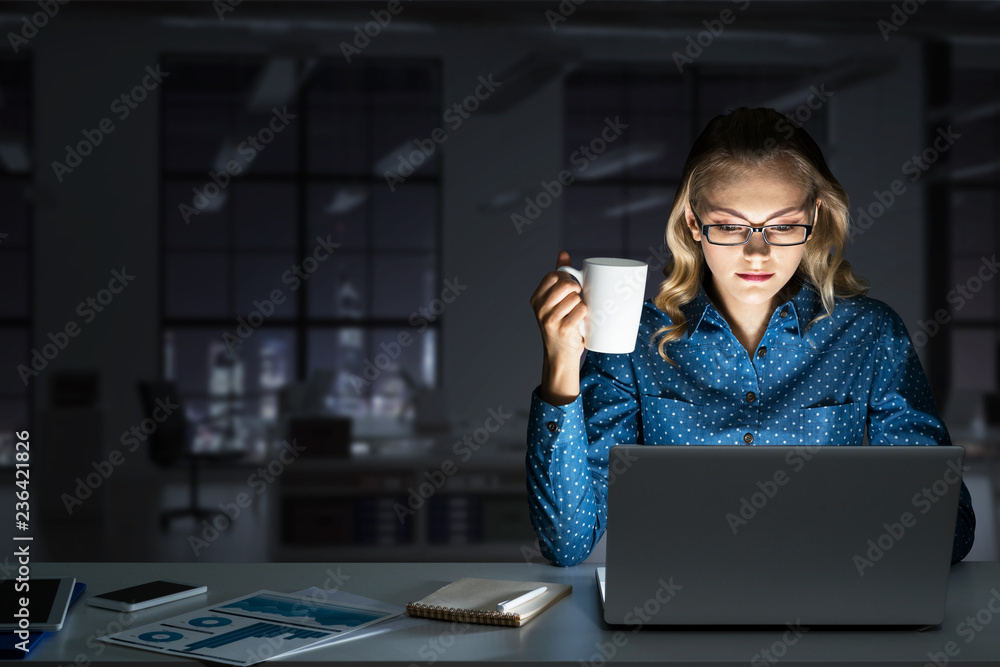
[613, 291]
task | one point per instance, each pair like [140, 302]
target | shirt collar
[800, 310]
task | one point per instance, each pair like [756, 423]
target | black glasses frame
[705, 228]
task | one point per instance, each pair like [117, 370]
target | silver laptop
[821, 535]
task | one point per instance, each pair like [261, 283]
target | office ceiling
[939, 18]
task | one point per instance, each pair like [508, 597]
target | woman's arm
[567, 459]
[901, 411]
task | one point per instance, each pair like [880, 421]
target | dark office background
[400, 356]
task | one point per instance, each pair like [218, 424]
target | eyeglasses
[777, 235]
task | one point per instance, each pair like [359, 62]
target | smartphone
[145, 595]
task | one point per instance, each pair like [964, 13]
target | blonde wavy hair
[732, 146]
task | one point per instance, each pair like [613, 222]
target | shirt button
[751, 397]
[784, 312]
[748, 438]
[552, 426]
[761, 352]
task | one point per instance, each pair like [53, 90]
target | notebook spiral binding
[464, 615]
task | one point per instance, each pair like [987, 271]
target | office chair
[171, 441]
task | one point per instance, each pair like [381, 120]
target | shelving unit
[430, 506]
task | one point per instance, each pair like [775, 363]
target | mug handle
[576, 273]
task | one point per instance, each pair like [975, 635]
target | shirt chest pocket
[832, 425]
[668, 421]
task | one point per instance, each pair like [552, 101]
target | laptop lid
[771, 535]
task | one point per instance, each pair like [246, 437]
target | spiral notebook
[473, 600]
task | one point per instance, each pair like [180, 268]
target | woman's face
[763, 199]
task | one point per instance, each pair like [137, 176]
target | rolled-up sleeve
[567, 458]
[902, 411]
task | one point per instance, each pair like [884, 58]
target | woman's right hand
[559, 309]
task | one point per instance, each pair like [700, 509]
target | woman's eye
[780, 229]
[730, 229]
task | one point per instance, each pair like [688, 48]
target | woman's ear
[692, 223]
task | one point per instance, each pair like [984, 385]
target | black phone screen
[142, 592]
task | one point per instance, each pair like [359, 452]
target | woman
[761, 334]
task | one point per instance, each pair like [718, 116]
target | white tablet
[35, 603]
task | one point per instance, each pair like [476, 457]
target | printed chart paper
[252, 628]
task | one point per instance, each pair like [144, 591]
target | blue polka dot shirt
[821, 386]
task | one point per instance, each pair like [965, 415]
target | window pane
[401, 357]
[197, 285]
[338, 129]
[340, 290]
[340, 354]
[266, 215]
[407, 218]
[198, 360]
[655, 145]
[266, 280]
[403, 284]
[656, 92]
[340, 211]
[594, 94]
[393, 134]
[266, 142]
[207, 228]
[195, 124]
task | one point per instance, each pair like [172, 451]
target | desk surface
[571, 632]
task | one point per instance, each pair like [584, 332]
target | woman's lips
[755, 277]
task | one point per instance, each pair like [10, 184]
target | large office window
[625, 186]
[15, 249]
[288, 254]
